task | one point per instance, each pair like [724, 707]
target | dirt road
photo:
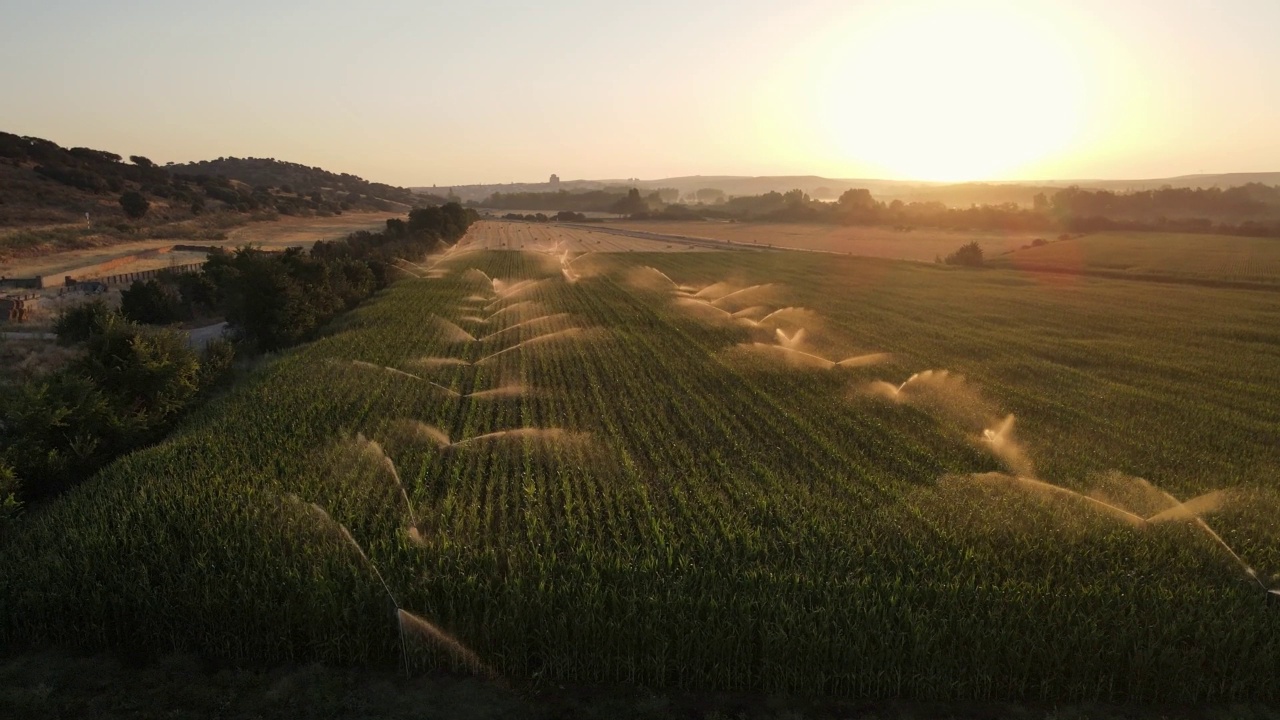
[277, 233]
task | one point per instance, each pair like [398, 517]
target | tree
[1040, 202]
[795, 198]
[134, 204]
[150, 303]
[150, 375]
[141, 161]
[856, 200]
[630, 204]
[198, 291]
[969, 255]
[267, 304]
[709, 195]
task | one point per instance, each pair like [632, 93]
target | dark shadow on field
[39, 685]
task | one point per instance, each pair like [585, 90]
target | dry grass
[306, 230]
[24, 359]
[48, 260]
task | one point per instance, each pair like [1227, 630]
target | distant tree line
[272, 300]
[129, 383]
[1251, 209]
[1250, 201]
[618, 200]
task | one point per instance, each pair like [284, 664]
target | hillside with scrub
[56, 199]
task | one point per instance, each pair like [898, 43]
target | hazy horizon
[418, 95]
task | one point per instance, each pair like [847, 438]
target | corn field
[598, 470]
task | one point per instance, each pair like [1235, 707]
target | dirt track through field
[275, 234]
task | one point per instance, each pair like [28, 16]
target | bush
[9, 504]
[127, 389]
[58, 431]
[134, 204]
[84, 321]
[151, 373]
[215, 361]
[969, 255]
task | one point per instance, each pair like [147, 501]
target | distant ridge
[43, 183]
[297, 177]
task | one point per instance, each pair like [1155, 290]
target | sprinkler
[1274, 596]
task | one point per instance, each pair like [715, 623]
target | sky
[478, 91]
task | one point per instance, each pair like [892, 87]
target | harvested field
[510, 235]
[922, 244]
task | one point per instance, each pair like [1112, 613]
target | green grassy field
[1202, 258]
[702, 509]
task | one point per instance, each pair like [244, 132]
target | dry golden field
[277, 233]
[505, 235]
[923, 244]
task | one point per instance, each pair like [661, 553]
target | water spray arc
[525, 324]
[999, 439]
[374, 451]
[423, 432]
[1188, 510]
[370, 366]
[342, 532]
[537, 340]
[804, 359]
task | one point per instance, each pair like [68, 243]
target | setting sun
[576, 359]
[956, 94]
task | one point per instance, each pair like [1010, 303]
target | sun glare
[952, 94]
